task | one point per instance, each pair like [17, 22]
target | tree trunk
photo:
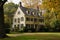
[2, 30]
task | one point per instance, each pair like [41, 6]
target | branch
[2, 2]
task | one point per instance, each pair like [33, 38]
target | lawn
[36, 37]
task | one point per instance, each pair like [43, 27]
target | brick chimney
[38, 8]
[20, 4]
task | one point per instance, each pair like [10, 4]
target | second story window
[18, 20]
[27, 12]
[33, 13]
[31, 19]
[41, 20]
[35, 20]
[27, 19]
[22, 18]
[15, 20]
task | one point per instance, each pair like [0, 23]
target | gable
[19, 13]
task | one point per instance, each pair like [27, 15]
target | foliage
[52, 5]
[32, 3]
[9, 10]
[51, 21]
[52, 15]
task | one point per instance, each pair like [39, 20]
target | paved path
[14, 35]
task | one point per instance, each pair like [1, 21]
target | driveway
[14, 35]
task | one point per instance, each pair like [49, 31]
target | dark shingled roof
[31, 10]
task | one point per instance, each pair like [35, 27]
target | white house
[28, 18]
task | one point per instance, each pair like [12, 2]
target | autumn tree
[52, 13]
[32, 3]
[55, 4]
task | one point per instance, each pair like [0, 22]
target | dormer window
[27, 12]
[39, 14]
[15, 20]
[18, 20]
[36, 13]
[33, 13]
[18, 12]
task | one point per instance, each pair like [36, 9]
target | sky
[17, 1]
[14, 1]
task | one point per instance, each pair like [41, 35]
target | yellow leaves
[6, 19]
[31, 3]
[52, 4]
[58, 16]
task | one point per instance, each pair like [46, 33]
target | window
[35, 20]
[18, 26]
[22, 18]
[41, 20]
[33, 13]
[31, 19]
[39, 14]
[18, 20]
[27, 12]
[36, 25]
[28, 26]
[15, 20]
[32, 25]
[15, 26]
[36, 13]
[18, 12]
[22, 25]
[27, 19]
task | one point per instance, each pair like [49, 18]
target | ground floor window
[22, 25]
[28, 26]
[18, 26]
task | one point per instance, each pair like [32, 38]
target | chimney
[20, 4]
[38, 8]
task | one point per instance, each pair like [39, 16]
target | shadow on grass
[35, 37]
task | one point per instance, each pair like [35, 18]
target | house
[27, 18]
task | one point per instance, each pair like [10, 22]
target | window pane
[22, 18]
[15, 20]
[27, 19]
[18, 20]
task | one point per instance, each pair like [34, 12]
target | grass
[35, 37]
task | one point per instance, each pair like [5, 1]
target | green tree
[9, 10]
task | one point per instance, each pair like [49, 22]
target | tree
[9, 10]
[53, 16]
[55, 4]
[2, 32]
[32, 3]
